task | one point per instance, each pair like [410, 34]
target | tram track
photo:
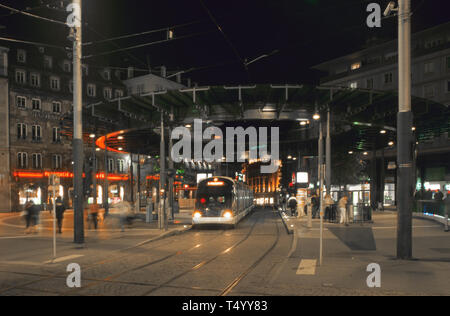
[112, 278]
[227, 290]
[45, 277]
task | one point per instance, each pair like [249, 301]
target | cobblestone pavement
[256, 258]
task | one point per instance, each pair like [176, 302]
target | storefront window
[30, 194]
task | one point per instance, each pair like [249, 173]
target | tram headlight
[197, 214]
[228, 214]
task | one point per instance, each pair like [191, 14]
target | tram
[222, 200]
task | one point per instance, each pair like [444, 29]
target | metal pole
[323, 167]
[404, 134]
[320, 155]
[94, 172]
[328, 153]
[171, 166]
[106, 182]
[54, 216]
[78, 131]
[162, 179]
[139, 184]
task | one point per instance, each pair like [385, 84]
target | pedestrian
[93, 214]
[328, 201]
[428, 195]
[447, 210]
[27, 215]
[439, 196]
[60, 209]
[343, 210]
[33, 212]
[292, 203]
[315, 205]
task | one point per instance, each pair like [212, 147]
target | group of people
[313, 203]
[32, 214]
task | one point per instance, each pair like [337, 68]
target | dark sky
[303, 33]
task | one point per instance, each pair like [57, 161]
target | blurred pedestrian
[315, 203]
[343, 210]
[292, 203]
[439, 196]
[126, 214]
[33, 211]
[94, 208]
[27, 215]
[60, 209]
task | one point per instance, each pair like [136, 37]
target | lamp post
[404, 132]
[78, 130]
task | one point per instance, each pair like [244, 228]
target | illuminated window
[354, 85]
[356, 66]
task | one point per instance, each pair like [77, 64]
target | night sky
[297, 33]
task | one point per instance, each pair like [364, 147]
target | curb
[162, 236]
[438, 219]
[287, 222]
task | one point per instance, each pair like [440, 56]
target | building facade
[376, 68]
[36, 86]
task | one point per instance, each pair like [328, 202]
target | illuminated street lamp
[316, 116]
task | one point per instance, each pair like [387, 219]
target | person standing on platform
[343, 210]
[60, 209]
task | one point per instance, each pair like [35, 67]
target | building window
[91, 90]
[37, 161]
[54, 83]
[388, 78]
[107, 93]
[356, 66]
[71, 86]
[56, 162]
[120, 165]
[56, 107]
[119, 93]
[354, 85]
[36, 133]
[36, 104]
[22, 160]
[110, 165]
[48, 62]
[107, 75]
[21, 76]
[140, 89]
[429, 68]
[85, 70]
[428, 91]
[35, 80]
[21, 131]
[56, 135]
[369, 83]
[67, 65]
[21, 56]
[21, 102]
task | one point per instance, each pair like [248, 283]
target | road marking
[20, 263]
[17, 237]
[62, 259]
[307, 267]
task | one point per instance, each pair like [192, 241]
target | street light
[316, 116]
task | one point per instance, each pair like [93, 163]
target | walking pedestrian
[315, 205]
[93, 214]
[292, 202]
[60, 209]
[33, 212]
[343, 210]
[27, 215]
